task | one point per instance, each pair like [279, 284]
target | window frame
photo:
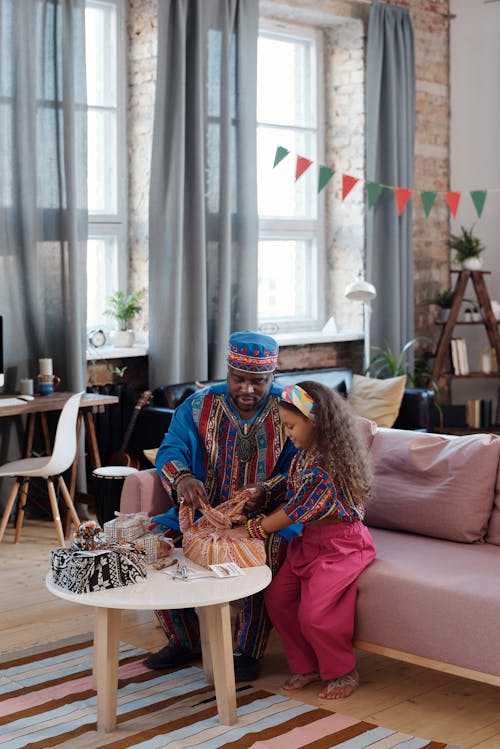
[115, 224]
[299, 228]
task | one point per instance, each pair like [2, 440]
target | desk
[42, 404]
[211, 598]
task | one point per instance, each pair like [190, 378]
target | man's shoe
[246, 668]
[170, 655]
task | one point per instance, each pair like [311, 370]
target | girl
[311, 601]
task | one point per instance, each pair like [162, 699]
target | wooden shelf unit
[441, 373]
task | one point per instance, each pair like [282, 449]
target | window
[291, 245]
[106, 248]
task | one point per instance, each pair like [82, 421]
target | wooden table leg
[217, 620]
[92, 438]
[206, 655]
[105, 673]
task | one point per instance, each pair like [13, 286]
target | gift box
[93, 563]
[127, 527]
[155, 545]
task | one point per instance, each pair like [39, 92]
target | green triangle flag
[478, 198]
[325, 175]
[428, 199]
[281, 152]
[373, 189]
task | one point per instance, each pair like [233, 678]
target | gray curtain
[390, 136]
[43, 188]
[203, 193]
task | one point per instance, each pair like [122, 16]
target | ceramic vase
[472, 263]
[122, 338]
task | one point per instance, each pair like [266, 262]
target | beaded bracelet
[255, 529]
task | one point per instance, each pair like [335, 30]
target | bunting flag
[373, 189]
[453, 200]
[281, 152]
[348, 183]
[479, 199]
[402, 195]
[325, 175]
[302, 165]
[428, 199]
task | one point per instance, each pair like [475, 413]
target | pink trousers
[312, 599]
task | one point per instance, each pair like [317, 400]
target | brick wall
[344, 63]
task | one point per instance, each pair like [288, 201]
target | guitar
[122, 457]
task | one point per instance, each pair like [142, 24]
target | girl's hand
[254, 496]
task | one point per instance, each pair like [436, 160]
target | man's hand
[192, 492]
[254, 496]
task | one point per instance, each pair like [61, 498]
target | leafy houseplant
[443, 299]
[467, 247]
[418, 373]
[123, 307]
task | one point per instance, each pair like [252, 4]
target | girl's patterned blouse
[314, 492]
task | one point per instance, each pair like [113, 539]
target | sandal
[344, 686]
[299, 681]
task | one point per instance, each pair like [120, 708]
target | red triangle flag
[348, 183]
[302, 165]
[402, 195]
[453, 200]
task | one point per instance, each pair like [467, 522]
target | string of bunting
[373, 189]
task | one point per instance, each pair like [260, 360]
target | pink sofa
[432, 596]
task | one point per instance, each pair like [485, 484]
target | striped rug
[47, 700]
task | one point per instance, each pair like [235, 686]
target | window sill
[305, 339]
[110, 352]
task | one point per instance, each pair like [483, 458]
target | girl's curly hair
[338, 440]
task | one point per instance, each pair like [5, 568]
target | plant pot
[472, 263]
[122, 338]
[443, 314]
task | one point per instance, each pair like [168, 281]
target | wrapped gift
[127, 526]
[93, 563]
[156, 546]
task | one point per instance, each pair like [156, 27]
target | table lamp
[362, 291]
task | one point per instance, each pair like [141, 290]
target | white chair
[49, 468]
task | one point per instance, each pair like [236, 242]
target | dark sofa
[416, 410]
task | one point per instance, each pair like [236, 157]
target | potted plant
[123, 307]
[443, 300]
[467, 247]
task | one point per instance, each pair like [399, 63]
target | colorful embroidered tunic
[314, 492]
[207, 439]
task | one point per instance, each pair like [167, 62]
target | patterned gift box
[127, 527]
[85, 572]
[155, 545]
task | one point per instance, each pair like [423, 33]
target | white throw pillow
[378, 400]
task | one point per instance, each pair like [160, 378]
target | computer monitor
[1, 352]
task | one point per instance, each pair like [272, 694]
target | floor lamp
[362, 291]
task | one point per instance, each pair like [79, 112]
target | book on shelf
[454, 360]
[462, 355]
[474, 413]
[479, 413]
[458, 356]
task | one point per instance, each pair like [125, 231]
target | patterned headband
[302, 401]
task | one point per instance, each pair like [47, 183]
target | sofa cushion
[432, 598]
[378, 400]
[493, 535]
[432, 484]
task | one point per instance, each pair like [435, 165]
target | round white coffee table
[210, 596]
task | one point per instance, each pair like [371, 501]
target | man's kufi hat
[252, 352]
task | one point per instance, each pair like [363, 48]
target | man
[226, 437]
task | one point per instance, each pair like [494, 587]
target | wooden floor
[393, 694]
